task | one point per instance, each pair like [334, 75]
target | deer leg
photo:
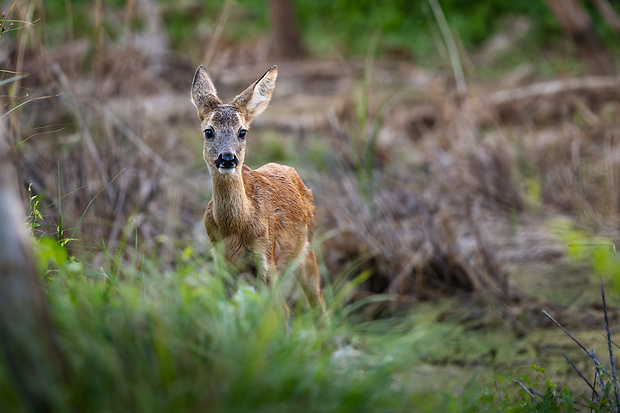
[310, 281]
[266, 269]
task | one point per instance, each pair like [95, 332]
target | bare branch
[611, 353]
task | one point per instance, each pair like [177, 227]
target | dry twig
[611, 353]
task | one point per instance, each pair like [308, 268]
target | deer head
[225, 126]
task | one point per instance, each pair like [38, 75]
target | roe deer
[264, 218]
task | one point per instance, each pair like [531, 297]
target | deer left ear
[254, 100]
[204, 95]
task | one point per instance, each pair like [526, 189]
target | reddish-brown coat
[264, 218]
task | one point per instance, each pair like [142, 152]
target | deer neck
[231, 206]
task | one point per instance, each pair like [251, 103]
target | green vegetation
[404, 26]
[140, 338]
[136, 335]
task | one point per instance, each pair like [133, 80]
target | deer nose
[227, 160]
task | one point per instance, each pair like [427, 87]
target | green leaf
[11, 79]
[49, 252]
[567, 402]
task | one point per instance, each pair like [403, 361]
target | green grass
[151, 339]
[137, 335]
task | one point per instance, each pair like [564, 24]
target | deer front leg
[266, 269]
[263, 268]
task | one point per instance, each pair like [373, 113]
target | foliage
[540, 395]
[143, 339]
[407, 25]
[327, 26]
[601, 393]
[138, 336]
[599, 252]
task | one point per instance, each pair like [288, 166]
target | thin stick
[524, 388]
[611, 353]
[567, 333]
[592, 355]
[581, 374]
[7, 17]
[599, 366]
[39, 134]
[28, 101]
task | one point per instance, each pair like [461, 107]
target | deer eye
[242, 133]
[209, 134]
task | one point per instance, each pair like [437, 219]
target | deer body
[264, 218]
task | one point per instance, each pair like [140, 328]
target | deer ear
[204, 95]
[253, 101]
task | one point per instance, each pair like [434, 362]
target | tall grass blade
[11, 79]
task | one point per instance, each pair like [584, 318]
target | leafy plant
[549, 398]
[145, 337]
[602, 390]
[599, 252]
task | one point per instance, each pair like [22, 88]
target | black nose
[227, 160]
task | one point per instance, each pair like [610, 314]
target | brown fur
[264, 218]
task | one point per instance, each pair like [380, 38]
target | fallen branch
[550, 89]
[591, 354]
[582, 376]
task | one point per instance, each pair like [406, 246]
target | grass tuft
[153, 340]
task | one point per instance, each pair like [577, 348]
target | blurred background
[463, 149]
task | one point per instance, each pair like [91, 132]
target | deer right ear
[204, 95]
[255, 98]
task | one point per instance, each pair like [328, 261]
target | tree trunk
[26, 340]
[577, 25]
[286, 42]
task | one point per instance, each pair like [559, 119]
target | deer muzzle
[226, 162]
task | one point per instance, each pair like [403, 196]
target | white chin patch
[225, 171]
